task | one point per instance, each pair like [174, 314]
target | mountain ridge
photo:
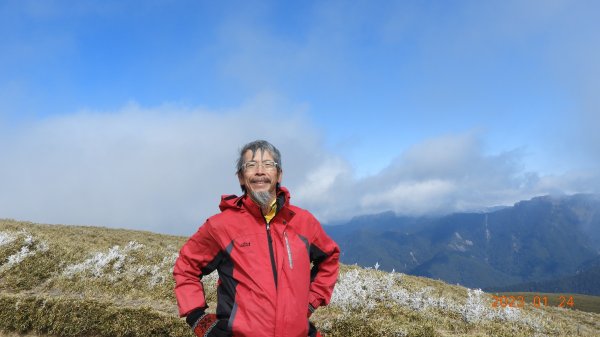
[544, 238]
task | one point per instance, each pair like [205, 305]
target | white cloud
[322, 178]
[445, 174]
[411, 197]
[160, 169]
[163, 169]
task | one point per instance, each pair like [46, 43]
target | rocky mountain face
[545, 238]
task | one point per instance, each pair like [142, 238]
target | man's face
[260, 179]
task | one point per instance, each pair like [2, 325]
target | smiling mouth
[260, 182]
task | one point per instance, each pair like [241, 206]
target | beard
[262, 198]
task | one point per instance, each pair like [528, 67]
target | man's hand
[204, 325]
[207, 325]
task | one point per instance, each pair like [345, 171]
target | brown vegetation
[89, 281]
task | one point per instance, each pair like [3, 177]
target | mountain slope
[459, 268]
[86, 281]
[540, 239]
[585, 281]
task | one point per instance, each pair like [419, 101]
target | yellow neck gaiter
[269, 216]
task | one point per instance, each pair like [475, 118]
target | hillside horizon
[56, 275]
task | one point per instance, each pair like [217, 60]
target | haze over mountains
[549, 243]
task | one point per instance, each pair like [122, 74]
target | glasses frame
[263, 165]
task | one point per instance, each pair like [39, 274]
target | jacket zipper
[273, 266]
[289, 251]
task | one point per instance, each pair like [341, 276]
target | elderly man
[276, 265]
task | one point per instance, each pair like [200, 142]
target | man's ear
[280, 175]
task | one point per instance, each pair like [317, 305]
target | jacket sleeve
[198, 257]
[324, 254]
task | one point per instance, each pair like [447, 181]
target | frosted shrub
[360, 289]
[118, 263]
[475, 307]
[363, 289]
[6, 238]
[18, 257]
[153, 272]
[100, 263]
[30, 247]
[157, 274]
[420, 300]
[133, 245]
[351, 290]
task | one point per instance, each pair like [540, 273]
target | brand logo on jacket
[245, 244]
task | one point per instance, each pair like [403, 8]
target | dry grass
[89, 281]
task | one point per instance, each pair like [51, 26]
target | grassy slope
[89, 281]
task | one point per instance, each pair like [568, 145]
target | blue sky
[130, 113]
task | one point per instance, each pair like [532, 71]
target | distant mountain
[585, 281]
[541, 239]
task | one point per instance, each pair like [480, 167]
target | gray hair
[254, 146]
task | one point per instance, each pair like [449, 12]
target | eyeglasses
[252, 166]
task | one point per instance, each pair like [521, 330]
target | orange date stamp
[509, 301]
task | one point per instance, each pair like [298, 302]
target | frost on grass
[158, 273]
[358, 289]
[6, 238]
[110, 263]
[118, 263]
[476, 308]
[363, 290]
[29, 247]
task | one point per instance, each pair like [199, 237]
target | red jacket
[265, 278]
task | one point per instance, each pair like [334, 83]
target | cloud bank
[163, 169]
[449, 173]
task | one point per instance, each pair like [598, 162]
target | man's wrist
[193, 317]
[314, 301]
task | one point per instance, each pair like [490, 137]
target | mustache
[260, 180]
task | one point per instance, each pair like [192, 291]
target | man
[263, 248]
